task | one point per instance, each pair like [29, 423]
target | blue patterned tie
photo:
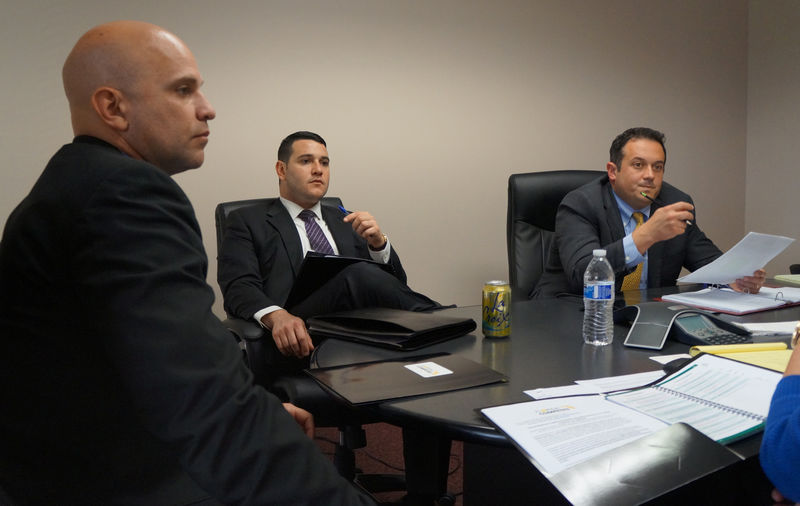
[316, 237]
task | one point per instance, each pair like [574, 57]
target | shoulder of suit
[671, 194]
[99, 160]
[590, 191]
[268, 209]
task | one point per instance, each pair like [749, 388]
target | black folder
[317, 269]
[644, 469]
[390, 328]
[370, 382]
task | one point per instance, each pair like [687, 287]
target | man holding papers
[647, 226]
[262, 252]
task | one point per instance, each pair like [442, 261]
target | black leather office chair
[248, 333]
[298, 388]
[533, 200]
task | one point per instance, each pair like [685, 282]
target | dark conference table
[545, 350]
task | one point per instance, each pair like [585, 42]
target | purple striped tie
[316, 237]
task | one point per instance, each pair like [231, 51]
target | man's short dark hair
[285, 149]
[615, 153]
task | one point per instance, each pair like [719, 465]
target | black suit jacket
[588, 218]
[119, 385]
[261, 254]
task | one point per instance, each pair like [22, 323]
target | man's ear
[280, 169]
[611, 168]
[111, 107]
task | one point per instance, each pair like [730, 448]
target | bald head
[120, 75]
[113, 55]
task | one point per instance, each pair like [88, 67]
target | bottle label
[599, 291]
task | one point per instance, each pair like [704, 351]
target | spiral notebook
[725, 300]
[722, 398]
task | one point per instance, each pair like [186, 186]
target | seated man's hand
[303, 418]
[289, 333]
[664, 223]
[750, 284]
[365, 226]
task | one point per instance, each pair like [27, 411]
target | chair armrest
[251, 339]
[245, 330]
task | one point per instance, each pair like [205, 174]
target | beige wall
[427, 105]
[773, 124]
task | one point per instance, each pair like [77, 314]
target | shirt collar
[295, 209]
[625, 210]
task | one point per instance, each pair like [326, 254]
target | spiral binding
[704, 402]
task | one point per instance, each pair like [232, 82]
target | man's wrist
[383, 245]
[263, 318]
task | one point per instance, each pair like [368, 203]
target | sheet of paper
[559, 433]
[777, 328]
[596, 386]
[612, 383]
[665, 359]
[563, 391]
[753, 252]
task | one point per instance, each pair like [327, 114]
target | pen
[345, 211]
[658, 203]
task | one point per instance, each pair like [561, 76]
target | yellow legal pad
[789, 278]
[770, 355]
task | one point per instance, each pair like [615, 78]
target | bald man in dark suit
[118, 384]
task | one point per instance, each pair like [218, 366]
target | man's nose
[205, 111]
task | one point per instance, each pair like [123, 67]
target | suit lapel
[654, 261]
[279, 219]
[342, 232]
[613, 218]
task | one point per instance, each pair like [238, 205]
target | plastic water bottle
[598, 300]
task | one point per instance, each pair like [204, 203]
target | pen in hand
[345, 211]
[659, 203]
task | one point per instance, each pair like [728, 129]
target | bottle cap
[599, 252]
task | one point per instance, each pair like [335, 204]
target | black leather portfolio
[383, 380]
[390, 328]
[317, 269]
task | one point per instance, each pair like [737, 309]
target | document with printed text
[724, 399]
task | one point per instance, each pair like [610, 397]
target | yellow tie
[631, 281]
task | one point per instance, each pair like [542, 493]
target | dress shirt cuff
[383, 255]
[265, 311]
[632, 255]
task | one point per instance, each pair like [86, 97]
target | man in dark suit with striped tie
[262, 251]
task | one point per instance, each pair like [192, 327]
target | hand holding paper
[753, 252]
